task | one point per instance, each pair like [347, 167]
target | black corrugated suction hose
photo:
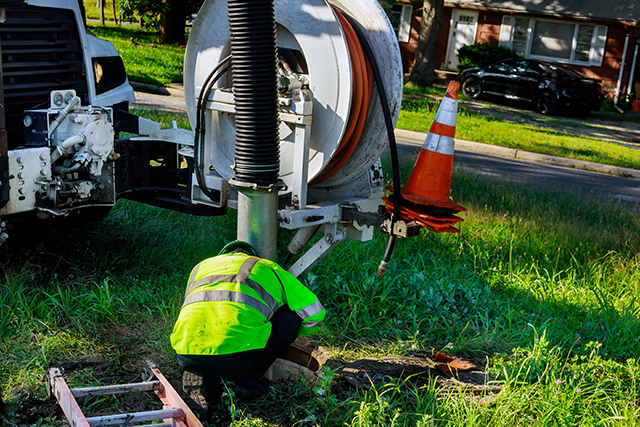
[253, 50]
[395, 168]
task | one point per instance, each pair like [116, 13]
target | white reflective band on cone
[439, 144]
[447, 112]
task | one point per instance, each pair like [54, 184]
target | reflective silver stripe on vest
[243, 273]
[192, 277]
[311, 324]
[310, 310]
[241, 277]
[238, 297]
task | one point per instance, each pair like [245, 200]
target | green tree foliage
[387, 6]
[167, 16]
[481, 55]
[147, 11]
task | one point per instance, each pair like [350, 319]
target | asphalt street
[473, 158]
[538, 174]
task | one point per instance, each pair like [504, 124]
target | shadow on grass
[133, 240]
[124, 33]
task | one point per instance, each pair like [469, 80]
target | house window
[554, 40]
[401, 21]
[520, 34]
[583, 47]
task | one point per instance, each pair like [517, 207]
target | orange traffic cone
[425, 198]
[430, 180]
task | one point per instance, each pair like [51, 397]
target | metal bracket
[295, 111]
[333, 235]
[382, 222]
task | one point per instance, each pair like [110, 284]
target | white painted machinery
[292, 103]
[330, 121]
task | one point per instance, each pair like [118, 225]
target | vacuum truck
[291, 108]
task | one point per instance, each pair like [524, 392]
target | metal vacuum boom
[253, 55]
[277, 123]
[252, 28]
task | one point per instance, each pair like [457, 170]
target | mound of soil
[418, 371]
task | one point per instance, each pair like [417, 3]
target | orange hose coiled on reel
[362, 80]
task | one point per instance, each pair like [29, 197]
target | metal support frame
[333, 235]
[296, 112]
[175, 413]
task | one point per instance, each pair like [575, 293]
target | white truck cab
[64, 103]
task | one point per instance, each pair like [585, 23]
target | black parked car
[550, 87]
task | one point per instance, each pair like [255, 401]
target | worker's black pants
[246, 368]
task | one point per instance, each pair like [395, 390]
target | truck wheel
[547, 104]
[471, 88]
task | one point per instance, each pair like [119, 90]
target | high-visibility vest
[231, 298]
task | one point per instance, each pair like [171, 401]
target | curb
[417, 138]
[174, 89]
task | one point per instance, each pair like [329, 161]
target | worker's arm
[300, 300]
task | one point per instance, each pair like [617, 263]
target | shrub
[481, 54]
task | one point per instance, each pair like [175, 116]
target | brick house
[599, 38]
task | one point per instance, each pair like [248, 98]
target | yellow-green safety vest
[231, 298]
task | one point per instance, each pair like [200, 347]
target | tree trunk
[171, 28]
[102, 12]
[425, 63]
[83, 12]
[113, 8]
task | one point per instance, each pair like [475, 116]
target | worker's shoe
[194, 387]
[249, 394]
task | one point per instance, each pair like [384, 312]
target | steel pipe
[257, 220]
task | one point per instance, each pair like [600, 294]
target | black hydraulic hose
[200, 130]
[393, 148]
[285, 260]
[253, 50]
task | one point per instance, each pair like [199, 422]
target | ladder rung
[119, 419]
[114, 389]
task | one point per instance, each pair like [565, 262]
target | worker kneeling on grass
[240, 313]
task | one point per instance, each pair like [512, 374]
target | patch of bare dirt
[418, 371]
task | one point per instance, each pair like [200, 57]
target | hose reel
[331, 105]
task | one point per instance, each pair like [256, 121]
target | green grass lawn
[144, 61]
[541, 285]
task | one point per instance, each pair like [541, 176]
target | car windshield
[561, 71]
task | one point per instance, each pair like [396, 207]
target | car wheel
[547, 104]
[471, 88]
